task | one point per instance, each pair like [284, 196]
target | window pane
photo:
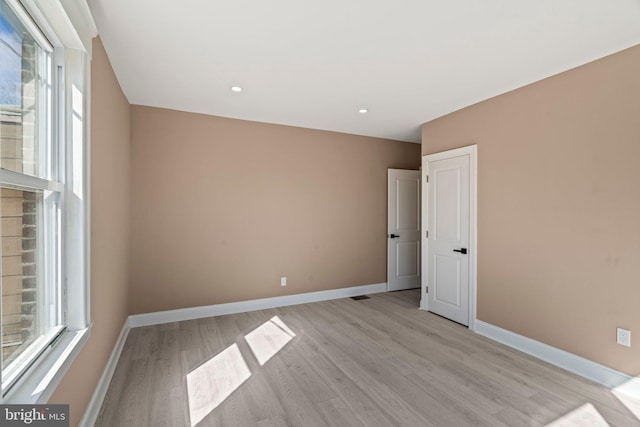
[25, 73]
[30, 300]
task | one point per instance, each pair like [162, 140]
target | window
[42, 200]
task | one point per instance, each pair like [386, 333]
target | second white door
[403, 230]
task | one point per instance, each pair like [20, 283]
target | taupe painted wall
[223, 208]
[559, 207]
[110, 213]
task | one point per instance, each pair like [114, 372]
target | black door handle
[462, 251]
[393, 236]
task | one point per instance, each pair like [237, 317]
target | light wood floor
[374, 362]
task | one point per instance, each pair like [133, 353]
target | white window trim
[71, 26]
[42, 378]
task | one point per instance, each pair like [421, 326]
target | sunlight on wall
[212, 382]
[267, 339]
[585, 415]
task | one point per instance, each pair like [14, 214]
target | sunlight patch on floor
[627, 394]
[584, 416]
[212, 382]
[215, 380]
[269, 338]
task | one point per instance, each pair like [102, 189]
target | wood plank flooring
[373, 362]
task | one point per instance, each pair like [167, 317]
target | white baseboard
[159, 317]
[93, 409]
[578, 365]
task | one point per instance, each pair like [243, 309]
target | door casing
[472, 151]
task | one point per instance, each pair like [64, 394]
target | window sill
[40, 382]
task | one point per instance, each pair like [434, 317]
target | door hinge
[427, 178]
[427, 234]
[426, 290]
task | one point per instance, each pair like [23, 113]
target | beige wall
[223, 208]
[559, 207]
[110, 213]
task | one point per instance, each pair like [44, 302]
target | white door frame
[472, 151]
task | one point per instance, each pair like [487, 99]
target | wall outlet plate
[623, 337]
[283, 281]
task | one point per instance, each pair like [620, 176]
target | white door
[448, 204]
[403, 230]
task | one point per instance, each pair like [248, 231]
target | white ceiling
[315, 63]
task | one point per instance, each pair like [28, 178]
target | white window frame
[69, 28]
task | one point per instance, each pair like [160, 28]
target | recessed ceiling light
[363, 111]
[236, 88]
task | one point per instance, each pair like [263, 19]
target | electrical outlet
[623, 337]
[283, 281]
